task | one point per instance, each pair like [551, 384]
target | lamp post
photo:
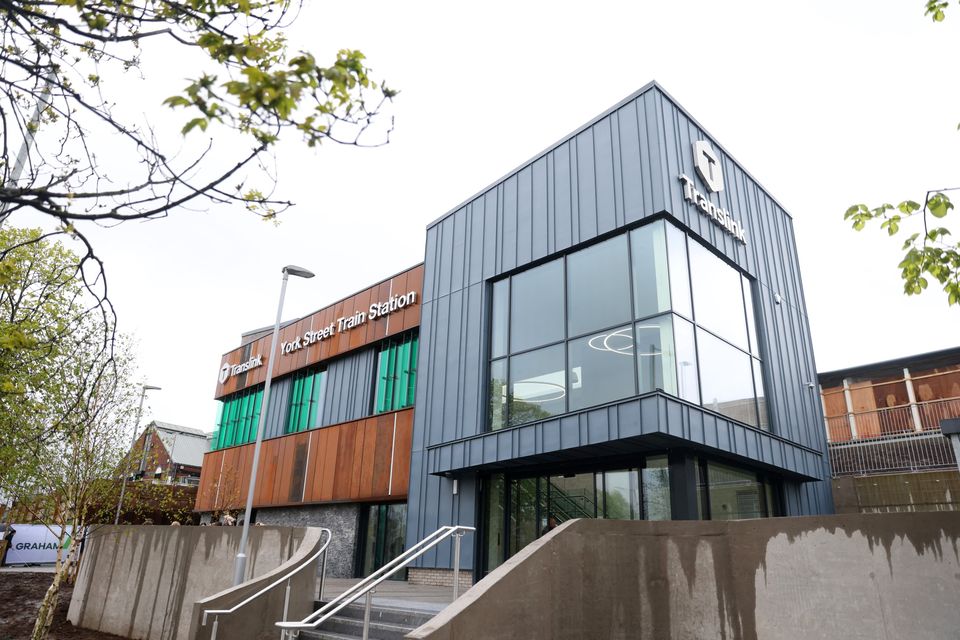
[123, 485]
[241, 561]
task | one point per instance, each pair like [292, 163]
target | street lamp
[241, 561]
[136, 428]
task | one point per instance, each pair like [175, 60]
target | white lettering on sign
[228, 369]
[719, 215]
[346, 323]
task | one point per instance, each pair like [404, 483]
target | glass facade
[729, 493]
[646, 310]
[237, 419]
[518, 510]
[396, 374]
[306, 401]
[383, 528]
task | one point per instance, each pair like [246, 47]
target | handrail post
[286, 600]
[456, 564]
[323, 574]
[216, 622]
[366, 615]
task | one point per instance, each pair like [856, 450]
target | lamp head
[300, 272]
[150, 387]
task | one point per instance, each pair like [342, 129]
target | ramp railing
[366, 586]
[216, 613]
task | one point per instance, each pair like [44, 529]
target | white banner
[34, 544]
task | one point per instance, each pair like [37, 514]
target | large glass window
[598, 287]
[655, 478]
[717, 296]
[651, 283]
[656, 359]
[560, 338]
[536, 307]
[537, 385]
[728, 493]
[726, 378]
[237, 419]
[396, 374]
[601, 368]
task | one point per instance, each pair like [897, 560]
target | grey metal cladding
[279, 406]
[349, 387]
[614, 172]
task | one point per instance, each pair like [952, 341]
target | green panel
[255, 414]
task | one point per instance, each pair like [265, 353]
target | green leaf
[939, 205]
[196, 122]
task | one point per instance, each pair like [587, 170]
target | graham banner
[34, 544]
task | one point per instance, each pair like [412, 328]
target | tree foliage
[50, 325]
[67, 59]
[930, 252]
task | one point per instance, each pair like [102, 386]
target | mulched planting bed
[20, 596]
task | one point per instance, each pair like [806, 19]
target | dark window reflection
[537, 385]
[498, 394]
[656, 489]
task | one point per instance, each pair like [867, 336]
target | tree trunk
[48, 607]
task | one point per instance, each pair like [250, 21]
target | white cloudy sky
[825, 103]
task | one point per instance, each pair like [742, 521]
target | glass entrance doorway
[383, 528]
[519, 510]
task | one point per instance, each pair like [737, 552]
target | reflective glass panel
[764, 421]
[656, 488]
[656, 360]
[498, 394]
[751, 316]
[687, 379]
[726, 379]
[569, 497]
[523, 513]
[717, 296]
[598, 287]
[601, 368]
[537, 385]
[621, 495]
[679, 272]
[499, 315]
[651, 284]
[494, 519]
[536, 307]
[734, 494]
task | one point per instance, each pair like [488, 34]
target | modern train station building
[616, 329]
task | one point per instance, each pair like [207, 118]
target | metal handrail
[286, 598]
[366, 586]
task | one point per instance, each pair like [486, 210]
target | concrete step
[392, 615]
[351, 628]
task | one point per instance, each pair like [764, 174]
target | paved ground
[394, 593]
[30, 568]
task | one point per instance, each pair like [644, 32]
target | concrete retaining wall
[848, 576]
[142, 582]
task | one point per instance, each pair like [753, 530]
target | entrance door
[383, 530]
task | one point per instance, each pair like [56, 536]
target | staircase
[386, 623]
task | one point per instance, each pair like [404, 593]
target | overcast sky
[825, 103]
